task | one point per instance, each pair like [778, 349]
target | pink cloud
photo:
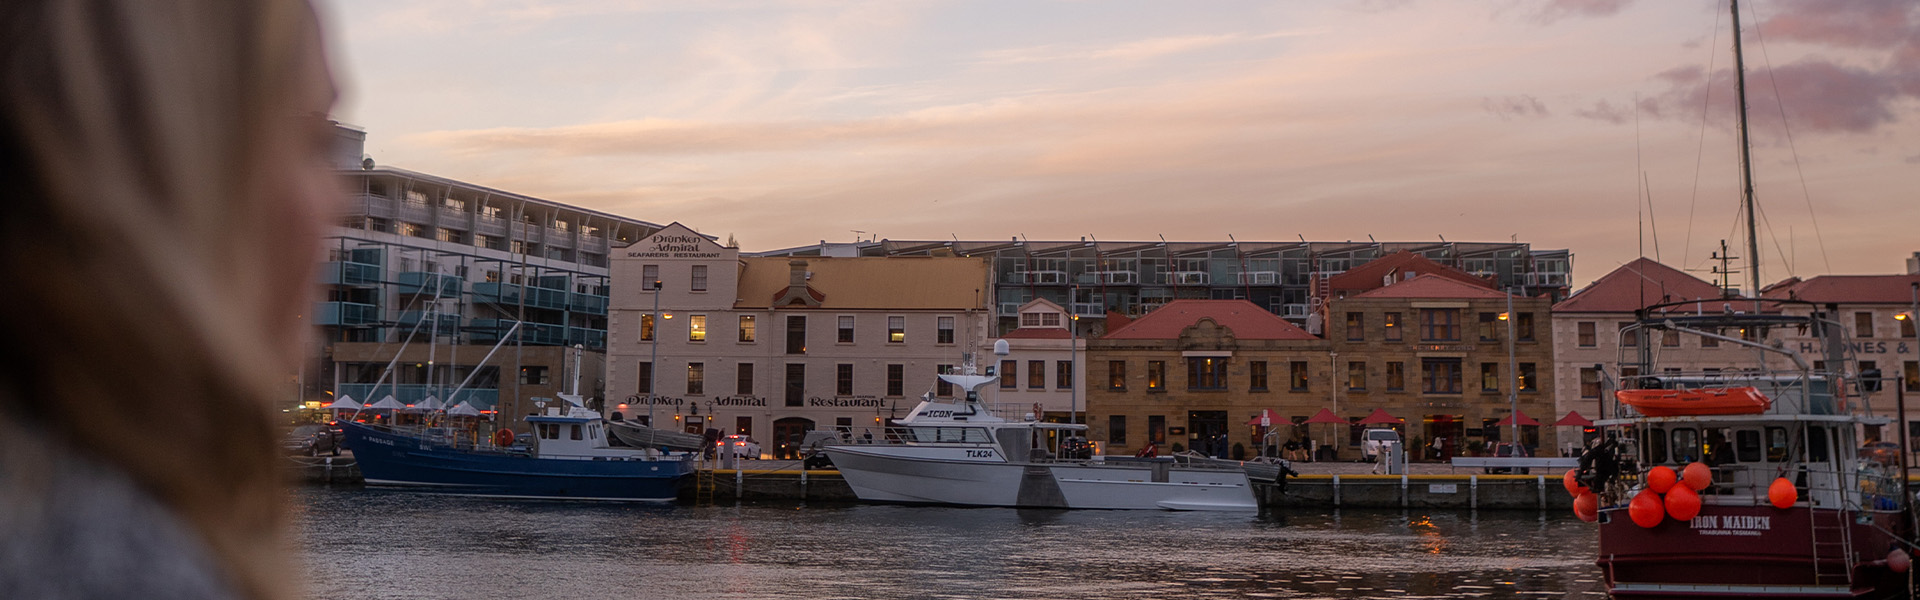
[1556, 10]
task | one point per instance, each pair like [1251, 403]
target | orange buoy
[503, 437]
[1697, 476]
[1572, 482]
[1646, 509]
[1782, 494]
[1683, 504]
[1898, 561]
[1586, 506]
[1660, 479]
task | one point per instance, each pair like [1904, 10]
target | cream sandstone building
[771, 347]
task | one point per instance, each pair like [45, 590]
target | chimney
[797, 278]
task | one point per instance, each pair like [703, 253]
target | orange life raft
[1706, 401]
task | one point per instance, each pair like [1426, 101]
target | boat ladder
[703, 481]
[1832, 539]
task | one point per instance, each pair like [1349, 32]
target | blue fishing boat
[568, 459]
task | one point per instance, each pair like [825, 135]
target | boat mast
[1746, 157]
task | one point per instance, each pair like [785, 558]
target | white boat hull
[906, 474]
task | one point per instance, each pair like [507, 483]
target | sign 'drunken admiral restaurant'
[675, 241]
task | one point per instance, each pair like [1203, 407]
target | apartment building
[1878, 314]
[771, 347]
[426, 275]
[1287, 278]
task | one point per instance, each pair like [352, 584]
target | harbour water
[377, 544]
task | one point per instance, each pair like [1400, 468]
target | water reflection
[368, 544]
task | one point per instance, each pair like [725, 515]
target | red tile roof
[1247, 320]
[1430, 285]
[1370, 275]
[1635, 285]
[1852, 289]
[1038, 333]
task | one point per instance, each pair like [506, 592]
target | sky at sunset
[786, 123]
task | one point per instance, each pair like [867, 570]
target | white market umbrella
[387, 403]
[430, 404]
[463, 410]
[344, 403]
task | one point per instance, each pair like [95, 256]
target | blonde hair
[157, 261]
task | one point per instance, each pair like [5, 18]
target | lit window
[697, 328]
[746, 328]
[896, 329]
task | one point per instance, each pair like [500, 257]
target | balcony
[423, 283]
[1089, 309]
[1009, 309]
[446, 321]
[1046, 277]
[1547, 278]
[345, 314]
[413, 393]
[1118, 277]
[350, 273]
[1260, 278]
[505, 294]
[1293, 311]
[592, 304]
[1191, 278]
[592, 339]
[532, 334]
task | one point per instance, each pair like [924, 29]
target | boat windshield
[976, 435]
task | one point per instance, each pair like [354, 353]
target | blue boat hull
[391, 460]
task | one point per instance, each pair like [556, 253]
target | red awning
[1272, 417]
[1325, 416]
[1573, 419]
[1380, 417]
[1524, 419]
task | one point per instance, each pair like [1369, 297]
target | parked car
[1510, 450]
[741, 446]
[312, 439]
[1374, 439]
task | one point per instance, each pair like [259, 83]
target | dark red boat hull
[1746, 552]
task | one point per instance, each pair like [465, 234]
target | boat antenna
[1746, 156]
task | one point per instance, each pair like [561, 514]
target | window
[696, 378]
[1441, 375]
[943, 334]
[697, 328]
[533, 375]
[1009, 374]
[1357, 375]
[1063, 374]
[1040, 319]
[646, 328]
[1206, 373]
[1906, 327]
[1670, 338]
[896, 330]
[1036, 374]
[1157, 429]
[796, 384]
[1587, 336]
[1117, 429]
[843, 379]
[1356, 327]
[1116, 374]
[1911, 373]
[846, 329]
[1523, 326]
[1297, 376]
[698, 282]
[1257, 376]
[1396, 376]
[1629, 340]
[1589, 382]
[1156, 376]
[1863, 324]
[941, 386]
[1439, 325]
[896, 380]
[1489, 377]
[1391, 325]
[743, 380]
[746, 328]
[649, 277]
[645, 378]
[1490, 326]
[1529, 379]
[796, 334]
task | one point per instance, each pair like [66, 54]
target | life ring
[503, 437]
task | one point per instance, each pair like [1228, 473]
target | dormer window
[1040, 319]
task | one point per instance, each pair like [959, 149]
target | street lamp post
[1513, 374]
[653, 363]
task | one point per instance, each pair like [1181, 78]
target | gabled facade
[1045, 368]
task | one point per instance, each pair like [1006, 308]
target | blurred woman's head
[165, 167]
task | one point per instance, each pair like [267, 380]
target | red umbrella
[1267, 414]
[1524, 419]
[1326, 416]
[1380, 417]
[1573, 419]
